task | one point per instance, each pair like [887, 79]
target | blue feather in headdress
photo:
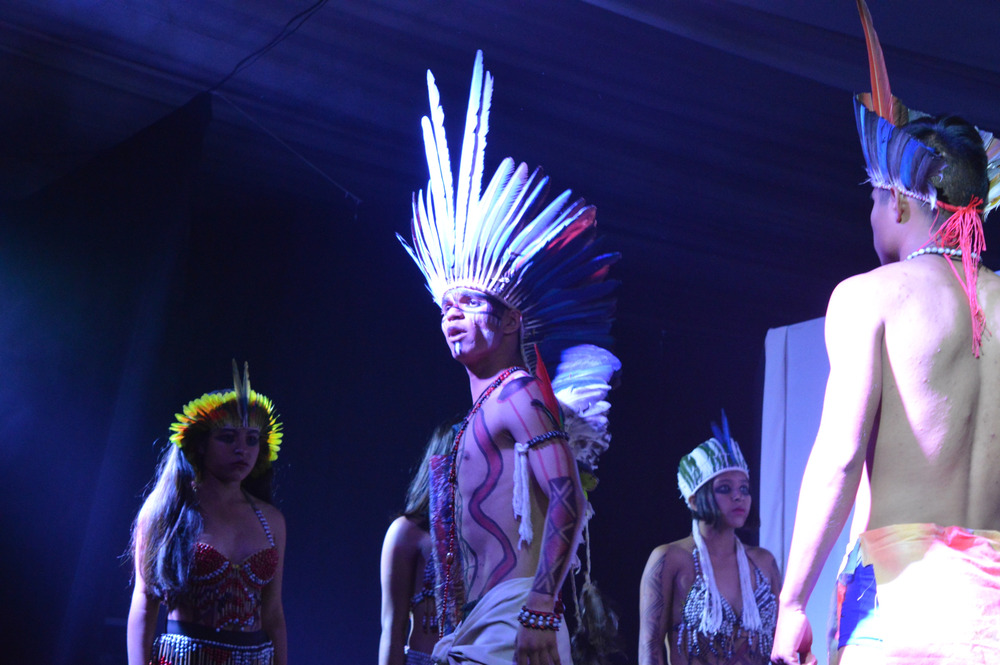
[723, 434]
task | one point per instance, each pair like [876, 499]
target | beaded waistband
[233, 637]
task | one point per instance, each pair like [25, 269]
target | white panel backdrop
[795, 374]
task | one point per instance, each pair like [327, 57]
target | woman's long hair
[418, 494]
[167, 527]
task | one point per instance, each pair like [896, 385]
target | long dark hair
[167, 527]
[418, 494]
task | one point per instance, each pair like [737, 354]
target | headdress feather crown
[239, 407]
[894, 158]
[505, 241]
[713, 457]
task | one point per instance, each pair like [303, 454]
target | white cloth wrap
[487, 635]
[521, 501]
[711, 616]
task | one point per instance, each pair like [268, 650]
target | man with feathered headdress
[516, 279]
[911, 400]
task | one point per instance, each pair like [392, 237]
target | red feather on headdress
[882, 101]
[548, 395]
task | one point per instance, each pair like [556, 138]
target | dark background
[151, 230]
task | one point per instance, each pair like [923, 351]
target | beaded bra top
[425, 595]
[732, 639]
[225, 594]
[427, 590]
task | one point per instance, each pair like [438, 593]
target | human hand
[792, 638]
[533, 646]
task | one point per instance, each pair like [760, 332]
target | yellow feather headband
[239, 407]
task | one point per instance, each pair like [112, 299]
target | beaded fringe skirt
[191, 644]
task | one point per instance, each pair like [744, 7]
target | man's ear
[511, 321]
[901, 205]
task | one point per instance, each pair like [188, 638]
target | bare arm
[142, 615]
[272, 612]
[854, 332]
[772, 571]
[553, 468]
[398, 569]
[655, 594]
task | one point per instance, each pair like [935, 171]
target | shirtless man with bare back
[913, 404]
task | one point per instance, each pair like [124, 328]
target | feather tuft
[540, 258]
[881, 95]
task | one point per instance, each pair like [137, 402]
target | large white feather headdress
[541, 259]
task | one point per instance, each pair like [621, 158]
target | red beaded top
[226, 595]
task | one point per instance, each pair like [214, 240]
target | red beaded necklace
[453, 479]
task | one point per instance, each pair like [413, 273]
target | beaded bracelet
[548, 436]
[539, 620]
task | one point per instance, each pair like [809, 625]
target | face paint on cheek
[483, 323]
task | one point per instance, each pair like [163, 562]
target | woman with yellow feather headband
[207, 543]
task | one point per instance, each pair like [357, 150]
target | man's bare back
[935, 457]
[912, 394]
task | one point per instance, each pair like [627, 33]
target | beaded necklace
[453, 476]
[970, 266]
[943, 251]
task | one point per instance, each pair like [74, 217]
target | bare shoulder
[404, 534]
[859, 304]
[669, 566]
[275, 520]
[521, 388]
[761, 557]
[989, 288]
[675, 556]
[270, 511]
[766, 562]
[989, 277]
[522, 409]
[866, 290]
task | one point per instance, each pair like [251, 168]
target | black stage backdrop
[723, 166]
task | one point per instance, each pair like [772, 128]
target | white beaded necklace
[943, 251]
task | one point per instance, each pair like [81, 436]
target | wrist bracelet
[539, 620]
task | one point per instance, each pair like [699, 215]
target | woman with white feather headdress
[708, 598]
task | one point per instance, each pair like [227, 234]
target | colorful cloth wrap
[921, 593]
[193, 644]
[486, 635]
